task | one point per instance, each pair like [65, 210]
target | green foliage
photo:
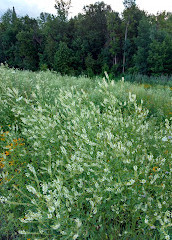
[43, 67]
[90, 64]
[159, 58]
[130, 42]
[62, 59]
[83, 158]
[131, 17]
[165, 81]
[9, 223]
[9, 28]
[92, 30]
[143, 44]
[129, 3]
[28, 44]
[114, 28]
[62, 9]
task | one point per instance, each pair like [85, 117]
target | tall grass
[153, 80]
[84, 159]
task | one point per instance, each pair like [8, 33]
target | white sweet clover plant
[92, 166]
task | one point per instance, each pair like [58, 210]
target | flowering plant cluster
[94, 170]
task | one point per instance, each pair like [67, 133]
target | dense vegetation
[86, 158]
[95, 41]
[83, 158]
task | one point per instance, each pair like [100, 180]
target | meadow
[83, 158]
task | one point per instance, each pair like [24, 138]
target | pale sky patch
[34, 8]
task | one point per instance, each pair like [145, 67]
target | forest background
[98, 40]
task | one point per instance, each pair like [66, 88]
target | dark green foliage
[159, 59]
[90, 63]
[115, 38]
[95, 41]
[9, 28]
[62, 9]
[28, 43]
[63, 59]
[143, 45]
[129, 3]
[131, 18]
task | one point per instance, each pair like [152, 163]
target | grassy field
[84, 158]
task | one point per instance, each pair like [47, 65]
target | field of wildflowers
[84, 159]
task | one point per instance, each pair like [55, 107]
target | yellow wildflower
[7, 153]
[155, 169]
[8, 146]
[1, 159]
[11, 163]
[22, 144]
[1, 165]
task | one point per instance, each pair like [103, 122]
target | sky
[33, 8]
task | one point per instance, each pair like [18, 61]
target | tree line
[97, 40]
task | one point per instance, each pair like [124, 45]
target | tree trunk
[124, 58]
[115, 60]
